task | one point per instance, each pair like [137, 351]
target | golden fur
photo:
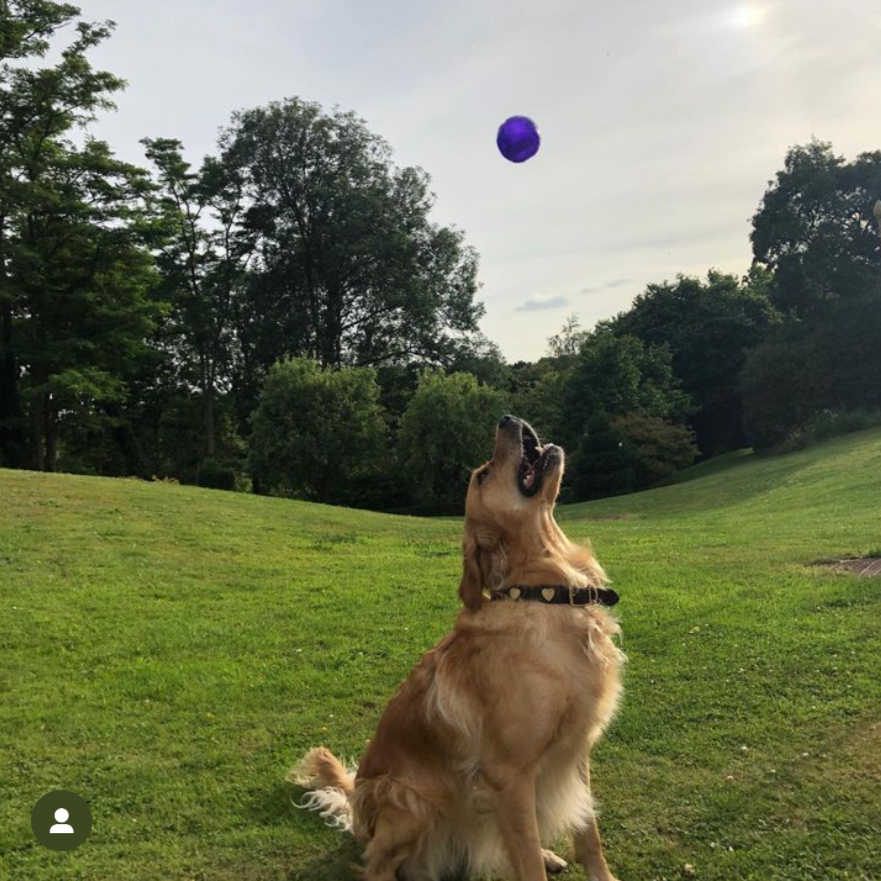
[482, 754]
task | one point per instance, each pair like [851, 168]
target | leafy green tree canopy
[708, 327]
[815, 228]
[203, 260]
[621, 375]
[351, 269]
[319, 434]
[447, 430]
[801, 370]
[74, 271]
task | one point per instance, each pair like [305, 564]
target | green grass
[168, 652]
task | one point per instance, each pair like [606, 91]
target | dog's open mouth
[534, 461]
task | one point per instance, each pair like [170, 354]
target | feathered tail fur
[332, 786]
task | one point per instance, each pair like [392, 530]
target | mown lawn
[168, 652]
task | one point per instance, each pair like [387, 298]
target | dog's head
[510, 531]
[520, 479]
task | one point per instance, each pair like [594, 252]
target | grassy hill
[168, 652]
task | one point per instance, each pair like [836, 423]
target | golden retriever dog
[481, 757]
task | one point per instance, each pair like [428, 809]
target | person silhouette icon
[61, 826]
[72, 822]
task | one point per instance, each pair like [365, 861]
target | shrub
[319, 434]
[658, 448]
[627, 453]
[215, 475]
[447, 430]
[827, 424]
[802, 370]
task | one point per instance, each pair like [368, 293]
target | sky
[662, 121]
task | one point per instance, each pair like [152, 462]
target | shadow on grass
[334, 854]
[342, 863]
[337, 864]
[340, 860]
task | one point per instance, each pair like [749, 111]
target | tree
[204, 261]
[569, 341]
[478, 355]
[77, 258]
[621, 403]
[599, 465]
[803, 369]
[708, 328]
[537, 391]
[319, 434]
[618, 376]
[815, 229]
[626, 453]
[74, 273]
[351, 270]
[447, 430]
[36, 106]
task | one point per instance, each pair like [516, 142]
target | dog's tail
[332, 786]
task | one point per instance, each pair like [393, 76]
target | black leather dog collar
[558, 594]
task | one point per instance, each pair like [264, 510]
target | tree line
[285, 316]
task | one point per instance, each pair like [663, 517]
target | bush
[708, 327]
[803, 370]
[619, 375]
[626, 453]
[827, 424]
[447, 430]
[215, 475]
[658, 448]
[319, 434]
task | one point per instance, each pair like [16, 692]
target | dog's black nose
[505, 420]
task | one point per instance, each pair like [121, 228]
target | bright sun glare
[747, 16]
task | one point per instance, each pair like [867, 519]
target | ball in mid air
[518, 139]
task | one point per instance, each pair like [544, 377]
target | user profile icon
[61, 820]
[61, 827]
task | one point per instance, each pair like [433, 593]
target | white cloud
[540, 303]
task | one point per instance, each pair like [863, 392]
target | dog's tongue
[529, 480]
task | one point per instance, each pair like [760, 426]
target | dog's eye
[483, 475]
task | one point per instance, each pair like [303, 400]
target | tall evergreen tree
[74, 275]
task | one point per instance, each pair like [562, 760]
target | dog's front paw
[553, 863]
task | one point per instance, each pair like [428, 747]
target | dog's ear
[473, 582]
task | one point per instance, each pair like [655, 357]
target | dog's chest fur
[530, 677]
[532, 686]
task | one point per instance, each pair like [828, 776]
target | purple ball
[518, 139]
